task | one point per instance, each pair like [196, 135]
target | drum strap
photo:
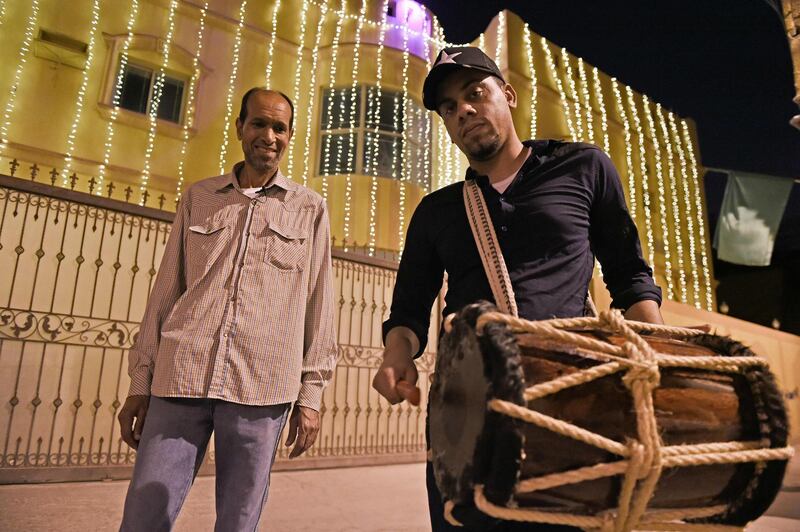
[489, 248]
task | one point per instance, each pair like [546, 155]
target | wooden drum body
[602, 427]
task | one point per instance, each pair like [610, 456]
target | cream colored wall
[46, 104]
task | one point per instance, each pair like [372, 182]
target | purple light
[412, 15]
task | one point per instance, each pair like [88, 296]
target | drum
[602, 423]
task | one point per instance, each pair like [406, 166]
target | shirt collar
[230, 179]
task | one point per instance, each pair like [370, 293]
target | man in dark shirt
[554, 207]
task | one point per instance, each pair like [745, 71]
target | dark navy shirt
[564, 207]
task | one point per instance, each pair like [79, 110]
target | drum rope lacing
[643, 459]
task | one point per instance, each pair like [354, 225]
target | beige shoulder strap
[489, 248]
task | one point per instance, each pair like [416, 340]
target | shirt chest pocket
[205, 244]
[287, 247]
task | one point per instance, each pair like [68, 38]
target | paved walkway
[361, 499]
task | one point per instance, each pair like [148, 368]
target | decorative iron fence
[77, 271]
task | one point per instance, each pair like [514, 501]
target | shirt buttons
[504, 228]
[225, 335]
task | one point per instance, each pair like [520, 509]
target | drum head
[470, 444]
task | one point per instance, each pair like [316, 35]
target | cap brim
[438, 74]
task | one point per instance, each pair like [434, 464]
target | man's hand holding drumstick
[397, 377]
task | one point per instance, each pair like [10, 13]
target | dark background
[724, 63]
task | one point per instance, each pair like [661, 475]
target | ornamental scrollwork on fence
[65, 329]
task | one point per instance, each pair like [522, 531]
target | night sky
[724, 63]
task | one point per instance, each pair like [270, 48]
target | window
[377, 145]
[138, 92]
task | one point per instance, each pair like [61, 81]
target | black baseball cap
[448, 61]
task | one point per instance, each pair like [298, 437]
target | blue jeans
[171, 450]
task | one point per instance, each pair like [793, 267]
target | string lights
[313, 97]
[662, 208]
[24, 48]
[587, 103]
[190, 103]
[573, 93]
[226, 125]
[404, 173]
[687, 203]
[698, 205]
[273, 38]
[376, 119]
[645, 185]
[598, 94]
[557, 79]
[532, 72]
[355, 93]
[628, 150]
[123, 63]
[501, 36]
[332, 84]
[673, 194]
[81, 100]
[298, 71]
[158, 88]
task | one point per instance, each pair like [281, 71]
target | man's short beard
[484, 151]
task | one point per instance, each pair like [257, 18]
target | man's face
[476, 112]
[265, 132]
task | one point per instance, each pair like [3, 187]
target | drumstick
[409, 392]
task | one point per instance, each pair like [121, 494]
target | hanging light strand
[403, 181]
[699, 215]
[662, 208]
[598, 94]
[24, 49]
[673, 194]
[298, 74]
[637, 124]
[630, 172]
[313, 97]
[326, 159]
[376, 119]
[355, 93]
[271, 48]
[158, 89]
[123, 63]
[587, 103]
[81, 99]
[501, 35]
[426, 143]
[557, 80]
[573, 93]
[684, 177]
[226, 125]
[190, 103]
[532, 71]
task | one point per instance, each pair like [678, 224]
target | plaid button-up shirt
[242, 307]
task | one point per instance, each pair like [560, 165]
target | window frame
[154, 73]
[361, 131]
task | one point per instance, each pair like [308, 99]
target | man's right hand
[398, 365]
[131, 418]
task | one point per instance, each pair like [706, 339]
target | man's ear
[511, 95]
[239, 128]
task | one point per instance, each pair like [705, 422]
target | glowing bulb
[673, 194]
[684, 176]
[532, 72]
[273, 38]
[557, 79]
[630, 172]
[30, 26]
[662, 208]
[298, 71]
[158, 88]
[123, 63]
[81, 99]
[190, 108]
[587, 104]
[573, 93]
[645, 185]
[598, 94]
[226, 125]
